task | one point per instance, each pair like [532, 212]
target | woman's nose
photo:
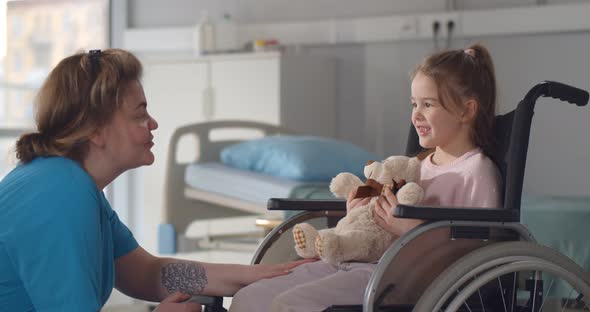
[152, 124]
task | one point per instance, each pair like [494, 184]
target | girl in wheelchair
[453, 108]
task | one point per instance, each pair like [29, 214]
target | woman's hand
[352, 202]
[262, 271]
[175, 303]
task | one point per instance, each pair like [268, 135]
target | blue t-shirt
[59, 238]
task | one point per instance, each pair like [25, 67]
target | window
[6, 144]
[67, 22]
[42, 53]
[17, 62]
[34, 30]
[16, 26]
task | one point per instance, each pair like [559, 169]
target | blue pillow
[301, 158]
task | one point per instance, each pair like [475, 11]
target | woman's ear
[98, 138]
[470, 108]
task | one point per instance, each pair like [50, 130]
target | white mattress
[241, 184]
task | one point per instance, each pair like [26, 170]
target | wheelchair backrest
[511, 137]
[508, 151]
[500, 153]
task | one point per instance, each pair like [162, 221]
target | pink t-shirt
[471, 180]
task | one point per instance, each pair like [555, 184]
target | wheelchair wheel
[513, 276]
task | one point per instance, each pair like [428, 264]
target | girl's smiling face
[436, 126]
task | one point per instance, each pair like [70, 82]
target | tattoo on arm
[185, 277]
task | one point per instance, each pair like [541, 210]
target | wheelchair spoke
[481, 300]
[547, 296]
[567, 300]
[502, 293]
[535, 279]
[513, 292]
[465, 303]
[516, 263]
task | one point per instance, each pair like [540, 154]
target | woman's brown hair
[80, 95]
[466, 74]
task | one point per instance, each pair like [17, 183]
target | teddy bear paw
[319, 246]
[304, 235]
[327, 246]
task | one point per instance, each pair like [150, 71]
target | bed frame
[184, 204]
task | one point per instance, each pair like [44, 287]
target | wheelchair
[460, 259]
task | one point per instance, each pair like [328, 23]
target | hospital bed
[475, 259]
[205, 199]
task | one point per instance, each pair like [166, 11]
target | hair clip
[470, 52]
[94, 62]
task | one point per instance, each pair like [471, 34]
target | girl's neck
[446, 155]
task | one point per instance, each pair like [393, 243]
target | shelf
[468, 24]
[163, 58]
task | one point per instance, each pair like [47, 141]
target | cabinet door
[247, 89]
[174, 93]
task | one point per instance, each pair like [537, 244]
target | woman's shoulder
[51, 190]
[49, 174]
[56, 167]
[56, 163]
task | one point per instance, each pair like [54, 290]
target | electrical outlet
[427, 23]
[451, 25]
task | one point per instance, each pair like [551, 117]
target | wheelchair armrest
[434, 213]
[306, 204]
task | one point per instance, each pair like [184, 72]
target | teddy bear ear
[396, 158]
[369, 162]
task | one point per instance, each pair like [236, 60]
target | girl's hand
[383, 212]
[352, 202]
[383, 215]
[175, 303]
[262, 271]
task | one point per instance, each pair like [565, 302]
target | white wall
[146, 13]
[373, 86]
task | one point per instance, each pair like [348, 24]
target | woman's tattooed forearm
[185, 277]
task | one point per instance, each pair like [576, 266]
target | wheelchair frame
[469, 228]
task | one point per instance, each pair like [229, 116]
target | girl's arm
[384, 215]
[146, 277]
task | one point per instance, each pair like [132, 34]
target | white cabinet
[294, 91]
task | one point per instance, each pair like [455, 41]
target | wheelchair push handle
[567, 93]
[561, 91]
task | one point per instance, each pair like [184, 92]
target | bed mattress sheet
[248, 185]
[562, 223]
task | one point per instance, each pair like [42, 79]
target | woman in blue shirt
[62, 247]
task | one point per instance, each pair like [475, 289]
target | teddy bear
[357, 237]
